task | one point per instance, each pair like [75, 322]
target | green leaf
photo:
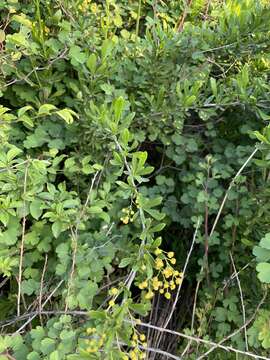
[155, 214]
[24, 109]
[92, 63]
[57, 228]
[190, 100]
[46, 109]
[67, 115]
[263, 272]
[29, 286]
[76, 55]
[33, 355]
[177, 139]
[263, 116]
[118, 108]
[18, 39]
[261, 254]
[260, 137]
[22, 19]
[35, 208]
[55, 355]
[213, 86]
[125, 136]
[106, 48]
[12, 153]
[141, 309]
[125, 262]
[47, 346]
[265, 242]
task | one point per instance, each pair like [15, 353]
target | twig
[236, 332]
[14, 166]
[213, 344]
[41, 282]
[236, 274]
[154, 350]
[229, 188]
[22, 241]
[42, 306]
[180, 24]
[193, 311]
[184, 272]
[74, 234]
[35, 69]
[242, 300]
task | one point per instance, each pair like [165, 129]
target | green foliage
[118, 135]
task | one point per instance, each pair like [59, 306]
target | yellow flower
[143, 267]
[172, 287]
[144, 284]
[144, 344]
[167, 272]
[161, 291]
[135, 337]
[100, 343]
[90, 330]
[170, 254]
[155, 283]
[166, 285]
[173, 261]
[94, 8]
[178, 281]
[111, 303]
[159, 264]
[142, 356]
[125, 220]
[132, 355]
[158, 251]
[167, 295]
[149, 295]
[142, 337]
[114, 291]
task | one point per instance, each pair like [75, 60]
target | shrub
[129, 177]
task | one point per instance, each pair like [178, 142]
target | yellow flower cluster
[93, 345]
[136, 353]
[166, 279]
[84, 5]
[128, 215]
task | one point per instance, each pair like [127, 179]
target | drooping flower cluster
[166, 279]
[128, 216]
[96, 341]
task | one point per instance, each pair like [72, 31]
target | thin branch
[213, 344]
[236, 332]
[242, 300]
[181, 21]
[22, 242]
[74, 234]
[229, 188]
[41, 282]
[184, 272]
[42, 306]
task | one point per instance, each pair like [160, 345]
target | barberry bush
[134, 179]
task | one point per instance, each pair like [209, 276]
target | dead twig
[181, 21]
[22, 242]
[74, 235]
